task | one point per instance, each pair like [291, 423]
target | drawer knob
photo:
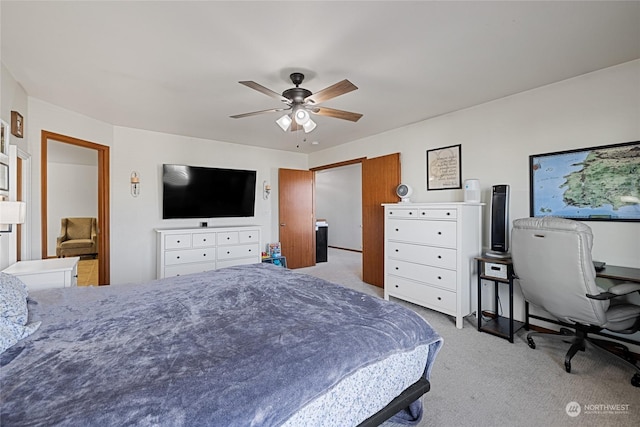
[204, 240]
[439, 299]
[439, 277]
[228, 238]
[448, 213]
[397, 286]
[397, 268]
[178, 257]
[424, 213]
[204, 254]
[439, 233]
[228, 252]
[249, 250]
[410, 213]
[439, 256]
[178, 241]
[397, 229]
[397, 250]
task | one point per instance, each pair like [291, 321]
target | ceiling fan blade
[332, 91]
[255, 113]
[338, 114]
[268, 92]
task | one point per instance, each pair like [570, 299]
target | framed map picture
[443, 168]
[590, 184]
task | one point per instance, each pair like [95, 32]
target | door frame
[103, 197]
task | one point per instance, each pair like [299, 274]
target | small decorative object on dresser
[429, 254]
[17, 124]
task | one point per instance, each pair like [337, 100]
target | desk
[625, 274]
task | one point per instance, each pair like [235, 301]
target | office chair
[552, 261]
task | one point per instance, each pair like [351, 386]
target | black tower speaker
[499, 221]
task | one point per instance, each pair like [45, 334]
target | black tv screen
[202, 192]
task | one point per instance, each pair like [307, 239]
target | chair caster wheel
[531, 343]
[567, 366]
[635, 380]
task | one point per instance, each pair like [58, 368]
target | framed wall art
[17, 124]
[4, 177]
[4, 139]
[590, 184]
[443, 168]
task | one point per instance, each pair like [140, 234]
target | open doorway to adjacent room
[75, 190]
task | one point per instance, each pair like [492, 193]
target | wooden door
[380, 177]
[296, 206]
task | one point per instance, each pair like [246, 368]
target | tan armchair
[78, 236]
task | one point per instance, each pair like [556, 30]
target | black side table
[499, 271]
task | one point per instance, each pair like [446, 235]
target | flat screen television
[203, 192]
[590, 184]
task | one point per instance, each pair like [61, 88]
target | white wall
[133, 244]
[12, 98]
[72, 192]
[497, 138]
[339, 201]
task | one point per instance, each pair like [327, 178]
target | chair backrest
[552, 259]
[79, 228]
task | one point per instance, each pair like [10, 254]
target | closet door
[380, 177]
[296, 215]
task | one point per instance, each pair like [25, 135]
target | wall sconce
[266, 190]
[135, 184]
[11, 213]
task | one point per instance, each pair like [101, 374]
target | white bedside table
[46, 273]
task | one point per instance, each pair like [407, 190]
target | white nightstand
[46, 273]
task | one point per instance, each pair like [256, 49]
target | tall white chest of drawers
[194, 250]
[429, 254]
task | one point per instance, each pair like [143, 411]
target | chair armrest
[616, 291]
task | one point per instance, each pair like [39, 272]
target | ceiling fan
[302, 101]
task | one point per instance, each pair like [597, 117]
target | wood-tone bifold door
[296, 207]
[380, 177]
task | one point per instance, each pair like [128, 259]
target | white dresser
[429, 254]
[194, 250]
[46, 273]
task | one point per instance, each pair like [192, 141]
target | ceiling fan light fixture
[301, 116]
[309, 126]
[284, 122]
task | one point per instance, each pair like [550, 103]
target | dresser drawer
[228, 238]
[440, 277]
[201, 240]
[249, 236]
[439, 299]
[402, 213]
[189, 255]
[429, 255]
[239, 251]
[182, 269]
[436, 233]
[431, 213]
[177, 241]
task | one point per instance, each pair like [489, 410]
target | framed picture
[4, 177]
[443, 168]
[4, 138]
[590, 184]
[17, 124]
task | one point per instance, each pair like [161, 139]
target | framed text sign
[443, 168]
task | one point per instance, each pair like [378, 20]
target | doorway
[48, 139]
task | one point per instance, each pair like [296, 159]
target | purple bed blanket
[240, 346]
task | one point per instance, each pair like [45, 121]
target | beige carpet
[482, 380]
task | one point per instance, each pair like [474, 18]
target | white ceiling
[174, 67]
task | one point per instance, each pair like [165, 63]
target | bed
[253, 345]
